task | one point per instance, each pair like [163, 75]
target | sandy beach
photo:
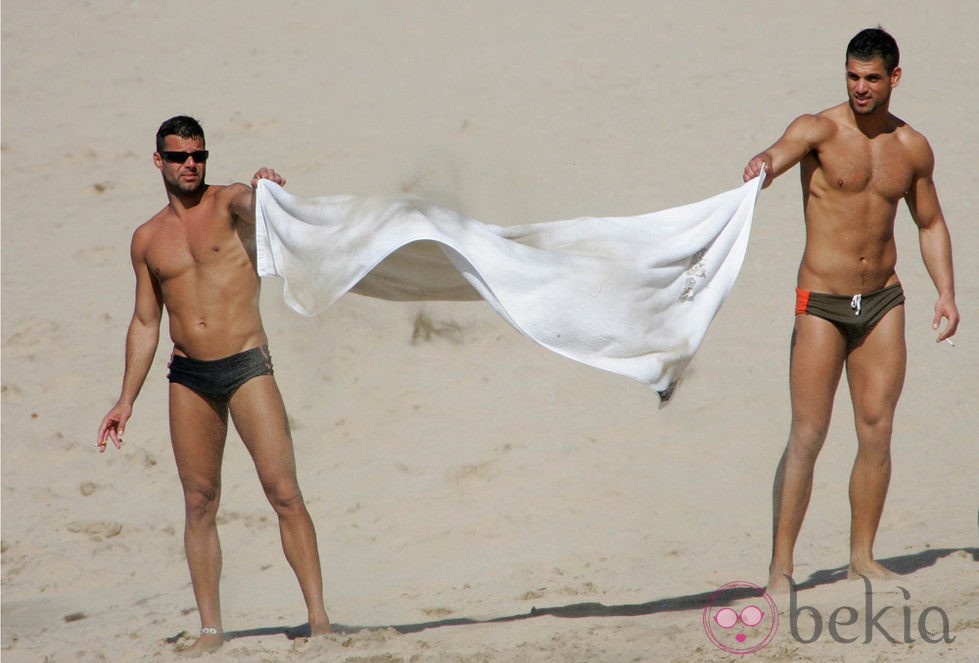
[476, 497]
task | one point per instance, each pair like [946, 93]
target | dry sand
[477, 498]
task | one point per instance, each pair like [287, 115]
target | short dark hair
[875, 43]
[180, 125]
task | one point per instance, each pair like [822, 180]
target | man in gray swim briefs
[858, 162]
[219, 379]
[854, 316]
[196, 259]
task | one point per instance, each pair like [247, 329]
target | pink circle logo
[742, 625]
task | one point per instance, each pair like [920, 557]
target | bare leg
[198, 429]
[817, 354]
[875, 372]
[260, 417]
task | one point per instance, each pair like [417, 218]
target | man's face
[869, 85]
[186, 176]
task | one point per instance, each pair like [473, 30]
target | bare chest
[880, 167]
[188, 249]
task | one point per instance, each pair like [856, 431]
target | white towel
[632, 295]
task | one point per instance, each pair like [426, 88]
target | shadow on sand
[902, 565]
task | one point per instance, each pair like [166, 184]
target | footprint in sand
[96, 530]
[31, 335]
[425, 329]
[471, 471]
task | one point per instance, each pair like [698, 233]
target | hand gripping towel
[632, 295]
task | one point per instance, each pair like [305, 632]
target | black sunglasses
[200, 156]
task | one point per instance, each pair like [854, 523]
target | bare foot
[872, 569]
[205, 644]
[779, 583]
[318, 628]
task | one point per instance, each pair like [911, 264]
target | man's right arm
[141, 342]
[800, 138]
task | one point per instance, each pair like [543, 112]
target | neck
[181, 200]
[874, 123]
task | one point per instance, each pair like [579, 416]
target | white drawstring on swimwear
[855, 304]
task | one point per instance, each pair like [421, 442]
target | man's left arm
[934, 239]
[243, 197]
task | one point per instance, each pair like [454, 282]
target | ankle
[861, 559]
[779, 569]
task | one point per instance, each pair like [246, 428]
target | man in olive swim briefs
[858, 161]
[196, 258]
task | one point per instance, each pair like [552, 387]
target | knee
[874, 425]
[201, 499]
[806, 440]
[285, 498]
[875, 422]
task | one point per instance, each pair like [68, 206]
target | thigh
[818, 352]
[875, 368]
[198, 429]
[260, 418]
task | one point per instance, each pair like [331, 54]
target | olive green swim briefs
[853, 315]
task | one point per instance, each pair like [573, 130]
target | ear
[157, 160]
[895, 77]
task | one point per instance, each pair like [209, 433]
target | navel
[215, 248]
[201, 324]
[839, 183]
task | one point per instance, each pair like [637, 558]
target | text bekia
[846, 616]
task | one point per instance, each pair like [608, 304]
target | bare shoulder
[241, 201]
[836, 117]
[230, 198]
[234, 189]
[814, 128]
[220, 194]
[145, 232]
[916, 144]
[824, 118]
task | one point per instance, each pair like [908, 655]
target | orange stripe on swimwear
[801, 300]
